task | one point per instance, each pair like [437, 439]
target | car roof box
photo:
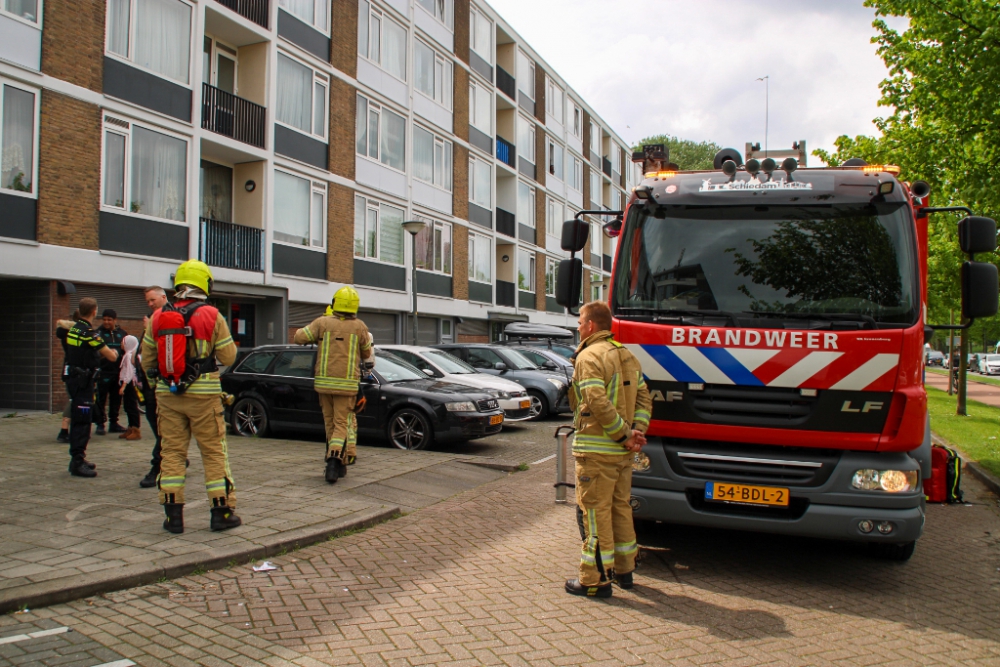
[529, 330]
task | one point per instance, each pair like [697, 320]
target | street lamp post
[414, 227]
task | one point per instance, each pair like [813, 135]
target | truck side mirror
[574, 235]
[980, 288]
[977, 234]
[569, 279]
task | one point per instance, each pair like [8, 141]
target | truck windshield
[836, 262]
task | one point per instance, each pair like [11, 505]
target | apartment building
[284, 142]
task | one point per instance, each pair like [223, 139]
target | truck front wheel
[897, 552]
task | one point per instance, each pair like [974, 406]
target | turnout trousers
[179, 418]
[603, 487]
[341, 424]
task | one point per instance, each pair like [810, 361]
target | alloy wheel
[249, 418]
[408, 430]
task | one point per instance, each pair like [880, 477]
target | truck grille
[752, 406]
[487, 404]
[750, 464]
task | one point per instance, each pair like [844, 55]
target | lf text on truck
[779, 317]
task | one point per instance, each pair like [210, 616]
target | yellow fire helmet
[196, 273]
[346, 300]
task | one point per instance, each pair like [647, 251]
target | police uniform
[109, 401]
[609, 398]
[82, 345]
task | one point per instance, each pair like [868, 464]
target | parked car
[512, 397]
[989, 364]
[547, 360]
[935, 358]
[273, 386]
[546, 389]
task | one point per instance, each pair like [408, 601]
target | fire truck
[779, 316]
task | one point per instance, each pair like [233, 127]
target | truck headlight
[558, 383]
[890, 481]
[461, 406]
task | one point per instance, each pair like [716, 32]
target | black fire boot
[149, 481]
[624, 581]
[79, 468]
[334, 469]
[223, 517]
[175, 517]
[574, 587]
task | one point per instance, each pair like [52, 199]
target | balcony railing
[232, 116]
[505, 223]
[606, 164]
[506, 293]
[506, 83]
[230, 246]
[506, 153]
[255, 10]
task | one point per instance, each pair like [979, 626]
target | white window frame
[551, 270]
[574, 166]
[550, 105]
[576, 127]
[475, 238]
[550, 160]
[519, 75]
[379, 107]
[315, 188]
[319, 79]
[477, 15]
[531, 209]
[445, 6]
[595, 147]
[596, 192]
[130, 58]
[531, 270]
[475, 86]
[447, 153]
[383, 16]
[325, 29]
[526, 149]
[375, 205]
[553, 213]
[596, 239]
[596, 289]
[113, 126]
[430, 227]
[472, 181]
[39, 13]
[447, 86]
[35, 126]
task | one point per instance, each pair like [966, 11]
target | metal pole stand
[562, 455]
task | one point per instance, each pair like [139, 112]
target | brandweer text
[751, 338]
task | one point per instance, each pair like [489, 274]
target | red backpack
[172, 332]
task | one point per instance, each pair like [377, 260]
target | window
[434, 247]
[442, 10]
[526, 138]
[554, 101]
[431, 158]
[153, 34]
[555, 152]
[551, 268]
[596, 236]
[595, 139]
[483, 358]
[577, 126]
[596, 287]
[481, 35]
[301, 97]
[480, 258]
[595, 186]
[144, 171]
[553, 217]
[295, 364]
[382, 40]
[381, 134]
[615, 203]
[299, 210]
[25, 9]
[17, 139]
[525, 204]
[378, 230]
[433, 73]
[526, 271]
[575, 166]
[525, 75]
[257, 363]
[314, 12]
[480, 183]
[481, 107]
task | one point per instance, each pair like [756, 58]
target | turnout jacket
[608, 397]
[343, 342]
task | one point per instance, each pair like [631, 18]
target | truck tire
[896, 552]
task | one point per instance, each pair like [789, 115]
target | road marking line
[117, 663]
[547, 458]
[46, 633]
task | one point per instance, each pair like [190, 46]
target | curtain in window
[359, 226]
[159, 175]
[114, 169]
[446, 166]
[361, 121]
[445, 249]
[394, 49]
[483, 37]
[423, 68]
[525, 139]
[423, 155]
[316, 221]
[483, 109]
[118, 18]
[304, 9]
[291, 208]
[525, 205]
[319, 109]
[163, 37]
[17, 139]
[483, 184]
[364, 10]
[26, 9]
[294, 93]
[393, 140]
[425, 247]
[525, 75]
[216, 192]
[391, 236]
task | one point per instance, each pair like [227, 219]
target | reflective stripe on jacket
[343, 342]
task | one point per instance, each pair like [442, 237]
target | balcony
[506, 83]
[505, 223]
[505, 293]
[606, 166]
[230, 246]
[254, 10]
[506, 153]
[232, 116]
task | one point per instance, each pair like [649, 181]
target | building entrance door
[242, 324]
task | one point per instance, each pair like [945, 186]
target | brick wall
[541, 159]
[340, 234]
[460, 189]
[540, 281]
[73, 41]
[540, 209]
[69, 170]
[25, 344]
[460, 263]
[344, 37]
[586, 175]
[586, 144]
[343, 111]
[461, 104]
[462, 30]
[539, 93]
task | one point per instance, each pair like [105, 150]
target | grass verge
[978, 435]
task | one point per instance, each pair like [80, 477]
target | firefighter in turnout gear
[344, 347]
[191, 407]
[611, 407]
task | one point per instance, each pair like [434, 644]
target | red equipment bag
[944, 486]
[172, 332]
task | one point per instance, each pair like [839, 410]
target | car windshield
[993, 358]
[450, 364]
[518, 361]
[394, 369]
[831, 262]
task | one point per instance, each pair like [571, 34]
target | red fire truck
[779, 316]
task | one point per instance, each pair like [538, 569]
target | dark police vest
[112, 339]
[82, 345]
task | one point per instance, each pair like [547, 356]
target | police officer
[344, 346]
[196, 410]
[611, 414]
[85, 350]
[109, 401]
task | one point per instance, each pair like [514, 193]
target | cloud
[690, 68]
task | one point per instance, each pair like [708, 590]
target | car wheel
[409, 429]
[897, 552]
[539, 406]
[249, 418]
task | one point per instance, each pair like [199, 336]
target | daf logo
[669, 396]
[867, 407]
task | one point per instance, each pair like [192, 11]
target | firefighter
[109, 401]
[197, 409]
[85, 350]
[344, 348]
[611, 406]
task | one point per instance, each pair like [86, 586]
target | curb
[987, 478]
[67, 589]
[492, 465]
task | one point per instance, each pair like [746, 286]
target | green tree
[687, 154]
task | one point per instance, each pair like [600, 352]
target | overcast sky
[688, 67]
